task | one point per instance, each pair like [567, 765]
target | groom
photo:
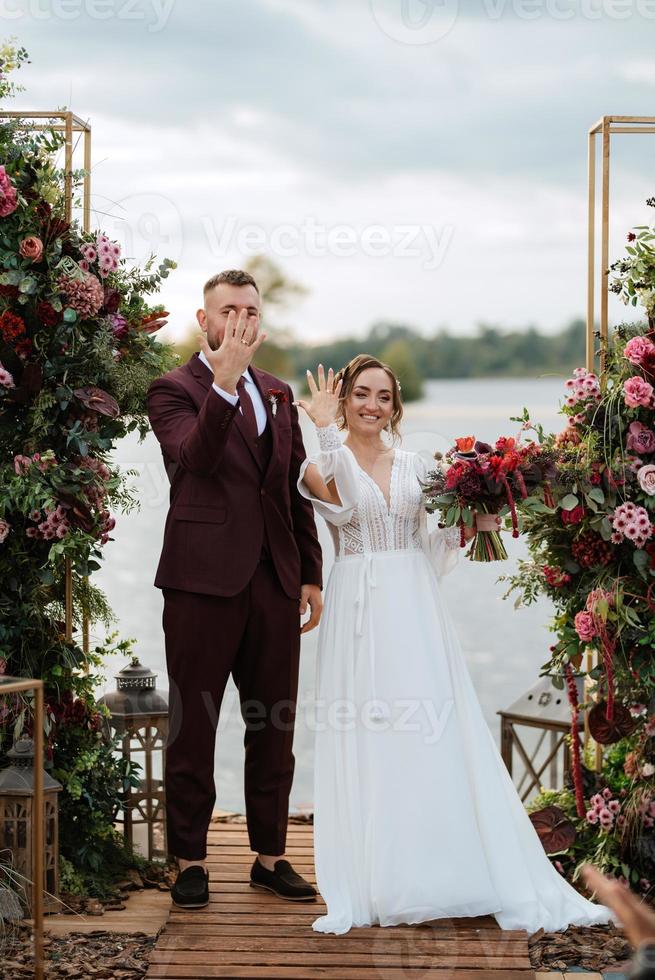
[240, 565]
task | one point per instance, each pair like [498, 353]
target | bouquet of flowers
[475, 482]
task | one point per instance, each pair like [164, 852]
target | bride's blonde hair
[349, 375]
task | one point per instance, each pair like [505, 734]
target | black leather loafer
[191, 888]
[284, 882]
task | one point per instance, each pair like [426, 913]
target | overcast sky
[420, 161]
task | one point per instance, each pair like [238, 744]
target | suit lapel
[204, 375]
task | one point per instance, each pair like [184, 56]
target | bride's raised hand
[322, 409]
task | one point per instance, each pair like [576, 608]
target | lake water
[503, 647]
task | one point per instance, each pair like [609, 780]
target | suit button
[262, 492]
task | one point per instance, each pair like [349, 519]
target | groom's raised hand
[240, 343]
[310, 595]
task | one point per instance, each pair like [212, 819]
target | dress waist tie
[367, 581]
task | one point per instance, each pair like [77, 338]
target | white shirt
[251, 388]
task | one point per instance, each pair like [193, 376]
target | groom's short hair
[234, 277]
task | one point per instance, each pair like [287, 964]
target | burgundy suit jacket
[220, 498]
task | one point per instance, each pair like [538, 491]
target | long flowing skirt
[416, 816]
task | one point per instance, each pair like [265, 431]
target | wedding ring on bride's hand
[244, 341]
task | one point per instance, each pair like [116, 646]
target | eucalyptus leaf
[597, 494]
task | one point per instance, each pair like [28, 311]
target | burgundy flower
[43, 211]
[47, 314]
[631, 236]
[111, 301]
[573, 516]
[11, 326]
[97, 400]
[23, 347]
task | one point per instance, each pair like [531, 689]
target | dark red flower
[650, 551]
[23, 347]
[111, 301]
[11, 326]
[455, 474]
[47, 315]
[631, 236]
[573, 516]
[54, 228]
[43, 211]
[97, 400]
[11, 292]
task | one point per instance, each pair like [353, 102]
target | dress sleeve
[335, 462]
[441, 544]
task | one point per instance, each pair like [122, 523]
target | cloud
[252, 119]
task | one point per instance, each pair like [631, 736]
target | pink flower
[584, 626]
[89, 252]
[8, 196]
[637, 392]
[31, 248]
[632, 522]
[640, 438]
[646, 477]
[6, 378]
[637, 349]
[4, 530]
[21, 464]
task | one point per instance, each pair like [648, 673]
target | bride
[416, 816]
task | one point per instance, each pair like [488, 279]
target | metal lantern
[17, 813]
[139, 716]
[546, 709]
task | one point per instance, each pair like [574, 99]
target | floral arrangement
[77, 355]
[593, 556]
[475, 476]
[615, 831]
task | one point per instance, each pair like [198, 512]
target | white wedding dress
[415, 814]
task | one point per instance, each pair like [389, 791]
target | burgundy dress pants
[255, 636]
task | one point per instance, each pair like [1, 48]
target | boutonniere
[276, 395]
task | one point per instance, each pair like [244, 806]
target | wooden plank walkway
[244, 932]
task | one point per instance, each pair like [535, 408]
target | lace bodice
[363, 523]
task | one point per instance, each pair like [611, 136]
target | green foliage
[400, 357]
[491, 352]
